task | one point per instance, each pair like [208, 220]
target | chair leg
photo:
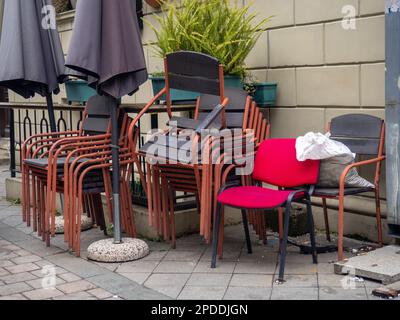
[216, 237]
[310, 220]
[280, 220]
[172, 218]
[326, 219]
[378, 216]
[340, 229]
[282, 258]
[246, 231]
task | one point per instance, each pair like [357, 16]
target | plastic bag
[318, 146]
[335, 157]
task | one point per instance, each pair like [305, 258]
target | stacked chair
[183, 157]
[77, 165]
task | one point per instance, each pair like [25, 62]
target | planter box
[180, 95]
[78, 91]
[265, 94]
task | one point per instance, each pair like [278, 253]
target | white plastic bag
[318, 146]
[335, 157]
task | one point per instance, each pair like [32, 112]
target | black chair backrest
[98, 116]
[360, 132]
[193, 71]
[234, 111]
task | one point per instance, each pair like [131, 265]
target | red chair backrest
[276, 164]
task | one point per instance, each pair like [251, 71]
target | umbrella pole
[115, 171]
[50, 110]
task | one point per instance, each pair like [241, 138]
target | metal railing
[27, 119]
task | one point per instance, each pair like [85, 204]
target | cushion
[252, 197]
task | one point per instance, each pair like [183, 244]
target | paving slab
[13, 288]
[16, 296]
[18, 277]
[42, 294]
[100, 293]
[25, 267]
[38, 247]
[139, 277]
[138, 266]
[38, 283]
[252, 280]
[202, 293]
[382, 265]
[298, 281]
[290, 293]
[76, 296]
[209, 280]
[258, 267]
[77, 286]
[248, 293]
[76, 265]
[175, 267]
[124, 288]
[12, 234]
[335, 280]
[334, 293]
[167, 284]
[223, 267]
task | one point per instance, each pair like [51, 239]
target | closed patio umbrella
[107, 47]
[31, 55]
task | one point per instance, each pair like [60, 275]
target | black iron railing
[29, 119]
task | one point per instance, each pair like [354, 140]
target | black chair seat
[43, 162]
[334, 192]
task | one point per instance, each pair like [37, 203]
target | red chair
[275, 164]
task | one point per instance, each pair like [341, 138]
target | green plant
[215, 27]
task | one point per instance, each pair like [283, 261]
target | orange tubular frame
[378, 161]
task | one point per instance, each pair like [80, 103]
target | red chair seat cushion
[254, 197]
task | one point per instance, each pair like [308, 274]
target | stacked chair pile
[77, 165]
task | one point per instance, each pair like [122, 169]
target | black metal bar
[12, 143]
[115, 170]
[50, 110]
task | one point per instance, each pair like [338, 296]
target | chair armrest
[355, 165]
[140, 114]
[205, 124]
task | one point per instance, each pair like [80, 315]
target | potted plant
[78, 91]
[264, 93]
[214, 27]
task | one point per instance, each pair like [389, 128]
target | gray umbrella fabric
[107, 47]
[1, 15]
[31, 55]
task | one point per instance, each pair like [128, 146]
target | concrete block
[258, 57]
[296, 46]
[292, 122]
[382, 265]
[365, 43]
[281, 10]
[373, 85]
[286, 79]
[328, 86]
[309, 11]
[372, 7]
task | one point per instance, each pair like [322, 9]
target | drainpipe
[392, 34]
